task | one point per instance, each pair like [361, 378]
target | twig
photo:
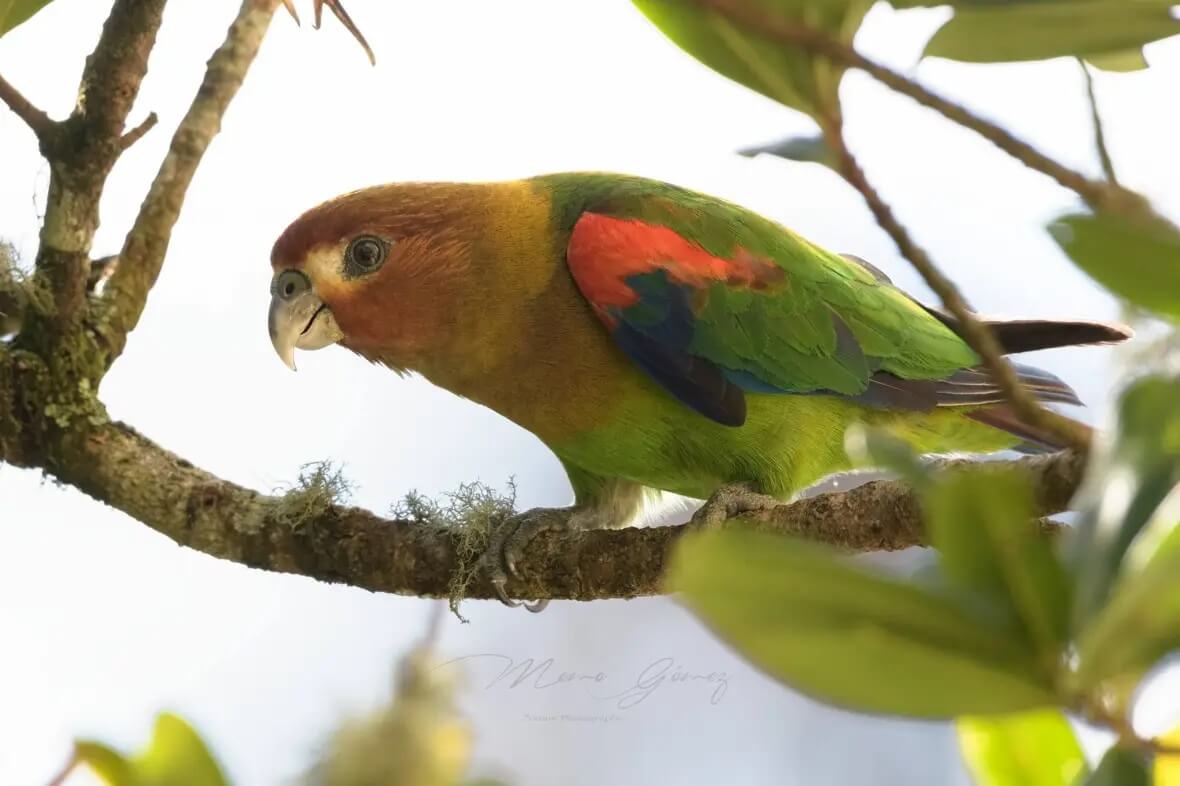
[1120, 723]
[147, 242]
[66, 770]
[34, 118]
[1095, 192]
[82, 151]
[135, 134]
[1099, 131]
[978, 335]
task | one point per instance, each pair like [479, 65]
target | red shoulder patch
[604, 251]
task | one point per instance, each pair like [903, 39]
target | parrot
[654, 338]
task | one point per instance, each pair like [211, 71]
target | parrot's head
[378, 271]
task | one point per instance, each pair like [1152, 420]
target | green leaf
[1004, 32]
[14, 12]
[1136, 260]
[1125, 485]
[1122, 767]
[1031, 749]
[876, 447]
[108, 764]
[786, 74]
[827, 629]
[805, 149]
[1119, 62]
[1135, 630]
[981, 524]
[176, 756]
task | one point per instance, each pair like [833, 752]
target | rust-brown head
[377, 270]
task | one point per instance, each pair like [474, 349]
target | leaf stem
[974, 332]
[1096, 193]
[1099, 131]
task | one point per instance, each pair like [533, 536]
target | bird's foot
[507, 545]
[732, 499]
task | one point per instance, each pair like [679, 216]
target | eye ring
[365, 253]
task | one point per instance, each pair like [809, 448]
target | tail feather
[974, 387]
[998, 414]
[1028, 335]
[1024, 335]
[1036, 440]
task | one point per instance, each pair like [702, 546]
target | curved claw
[535, 606]
[507, 546]
[498, 583]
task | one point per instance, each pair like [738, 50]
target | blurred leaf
[108, 764]
[1121, 767]
[1005, 32]
[15, 12]
[1136, 629]
[1031, 749]
[789, 75]
[418, 738]
[806, 149]
[982, 526]
[876, 447]
[831, 631]
[1136, 260]
[1119, 62]
[1125, 485]
[1166, 771]
[176, 756]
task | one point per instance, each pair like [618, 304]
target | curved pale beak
[298, 318]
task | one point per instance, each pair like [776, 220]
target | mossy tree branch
[334, 543]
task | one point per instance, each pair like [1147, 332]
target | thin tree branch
[81, 151]
[66, 770]
[34, 118]
[113, 73]
[978, 335]
[1099, 131]
[147, 242]
[135, 134]
[118, 466]
[1096, 193]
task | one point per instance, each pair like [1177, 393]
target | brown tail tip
[1002, 417]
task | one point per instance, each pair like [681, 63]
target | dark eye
[364, 255]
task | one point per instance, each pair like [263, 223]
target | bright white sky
[104, 622]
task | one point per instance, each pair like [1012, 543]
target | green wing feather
[828, 324]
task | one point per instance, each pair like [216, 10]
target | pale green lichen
[470, 513]
[20, 291]
[320, 487]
